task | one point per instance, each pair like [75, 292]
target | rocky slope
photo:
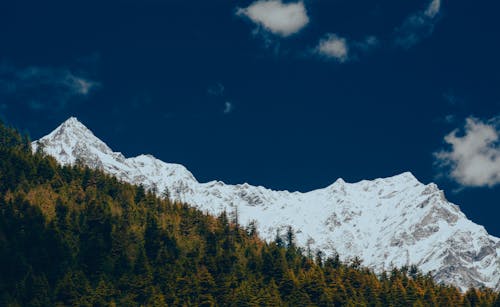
[386, 222]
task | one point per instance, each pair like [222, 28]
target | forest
[72, 236]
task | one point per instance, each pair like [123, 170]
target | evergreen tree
[166, 193]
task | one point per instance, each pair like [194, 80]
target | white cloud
[40, 88]
[474, 157]
[418, 26]
[333, 46]
[228, 107]
[280, 18]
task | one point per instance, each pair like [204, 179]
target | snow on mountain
[386, 222]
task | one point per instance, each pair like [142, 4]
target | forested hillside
[71, 236]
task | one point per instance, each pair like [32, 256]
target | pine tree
[73, 289]
[156, 299]
[252, 229]
[141, 281]
[270, 295]
[430, 297]
[278, 240]
[37, 290]
[472, 296]
[102, 294]
[166, 194]
[152, 241]
[245, 295]
[140, 194]
[300, 298]
[290, 238]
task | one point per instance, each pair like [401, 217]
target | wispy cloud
[450, 118]
[216, 89]
[418, 26]
[282, 19]
[473, 159]
[368, 44]
[218, 92]
[433, 8]
[453, 99]
[228, 107]
[40, 88]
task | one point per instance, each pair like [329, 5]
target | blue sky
[285, 94]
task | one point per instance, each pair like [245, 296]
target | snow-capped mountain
[386, 222]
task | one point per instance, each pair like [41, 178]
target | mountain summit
[386, 222]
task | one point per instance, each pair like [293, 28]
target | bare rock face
[385, 222]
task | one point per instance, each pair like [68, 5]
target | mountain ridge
[387, 222]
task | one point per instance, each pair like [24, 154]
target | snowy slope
[386, 222]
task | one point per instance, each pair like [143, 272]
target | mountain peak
[408, 175]
[71, 130]
[72, 140]
[72, 123]
[405, 177]
[72, 120]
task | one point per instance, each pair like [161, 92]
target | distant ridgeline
[72, 236]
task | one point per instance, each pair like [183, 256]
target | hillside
[75, 236]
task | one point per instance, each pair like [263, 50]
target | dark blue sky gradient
[298, 122]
